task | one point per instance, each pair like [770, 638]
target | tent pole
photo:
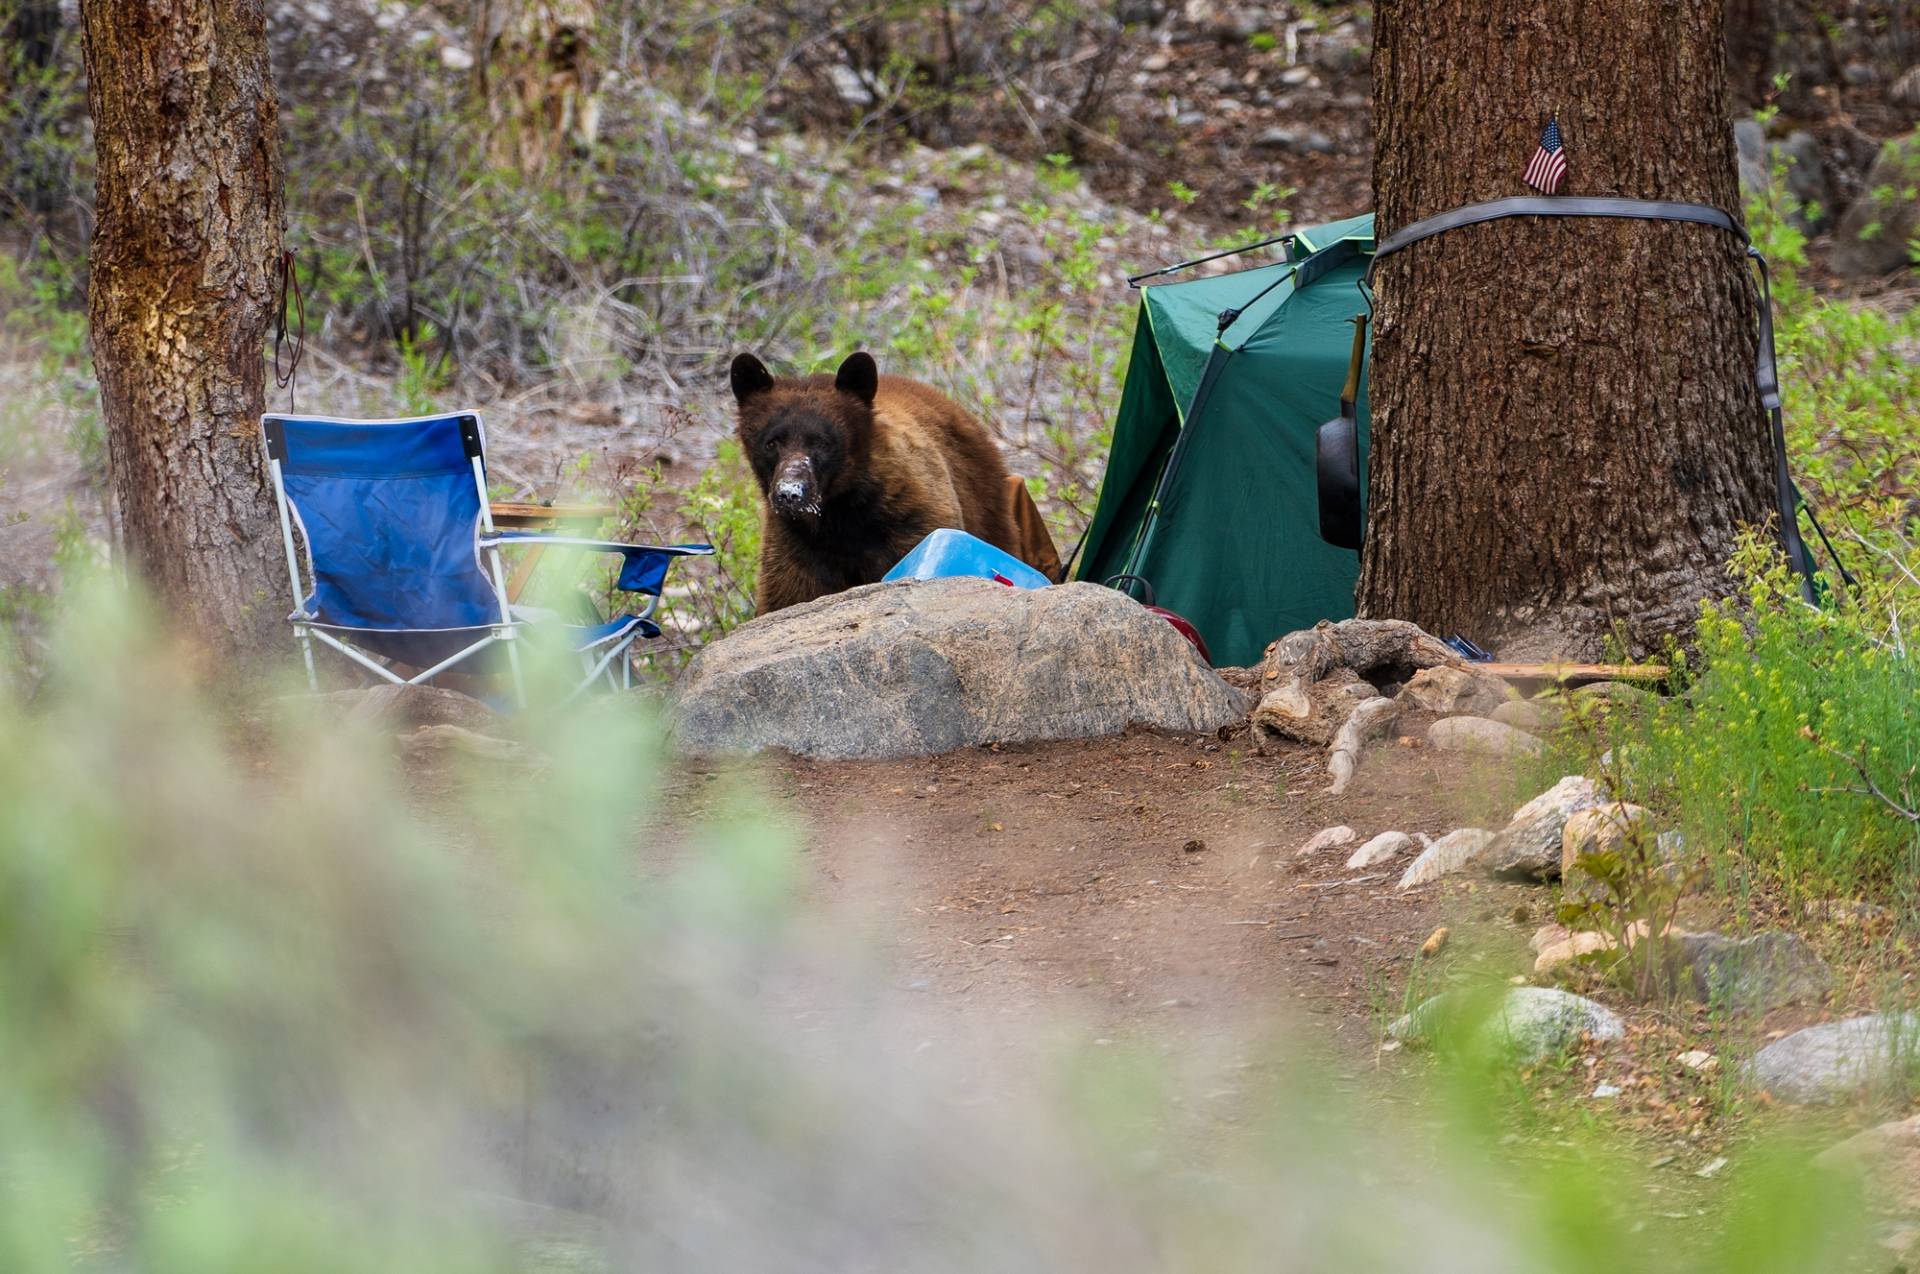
[1136, 280]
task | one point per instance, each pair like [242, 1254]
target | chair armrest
[645, 568]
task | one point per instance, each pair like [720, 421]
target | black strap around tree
[1765, 373]
[288, 303]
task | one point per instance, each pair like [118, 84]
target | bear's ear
[750, 376]
[858, 376]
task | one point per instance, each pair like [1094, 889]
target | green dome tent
[1210, 494]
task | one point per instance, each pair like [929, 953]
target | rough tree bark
[190, 228]
[1566, 433]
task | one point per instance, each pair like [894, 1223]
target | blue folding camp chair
[402, 558]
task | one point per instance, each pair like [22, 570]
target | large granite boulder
[915, 668]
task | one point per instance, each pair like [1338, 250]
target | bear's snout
[795, 489]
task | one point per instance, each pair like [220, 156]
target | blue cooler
[948, 554]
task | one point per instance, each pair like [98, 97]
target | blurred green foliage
[272, 998]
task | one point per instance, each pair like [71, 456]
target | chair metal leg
[306, 653]
[604, 667]
[513, 662]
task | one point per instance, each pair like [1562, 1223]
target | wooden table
[508, 515]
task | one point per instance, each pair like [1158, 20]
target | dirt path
[1145, 884]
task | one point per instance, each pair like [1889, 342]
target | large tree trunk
[190, 228]
[1566, 432]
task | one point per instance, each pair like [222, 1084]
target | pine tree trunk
[1566, 432]
[190, 227]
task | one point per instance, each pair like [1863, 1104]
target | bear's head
[808, 438]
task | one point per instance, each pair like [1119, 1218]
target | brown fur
[888, 459]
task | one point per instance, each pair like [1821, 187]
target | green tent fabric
[1220, 425]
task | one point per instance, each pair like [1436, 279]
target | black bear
[857, 468]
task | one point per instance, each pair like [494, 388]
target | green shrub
[1788, 717]
[1850, 377]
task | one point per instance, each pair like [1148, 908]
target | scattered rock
[1528, 847]
[914, 668]
[1698, 1059]
[1885, 1160]
[1607, 828]
[1874, 236]
[1806, 177]
[1825, 1064]
[1526, 714]
[1906, 89]
[1306, 141]
[1383, 848]
[1804, 172]
[1481, 735]
[1546, 936]
[1447, 690]
[1555, 955]
[1528, 1023]
[1447, 855]
[1614, 694]
[1327, 838]
[1750, 975]
[1436, 942]
[1338, 57]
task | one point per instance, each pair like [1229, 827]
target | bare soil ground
[1142, 884]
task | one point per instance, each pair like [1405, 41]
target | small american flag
[1547, 170]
